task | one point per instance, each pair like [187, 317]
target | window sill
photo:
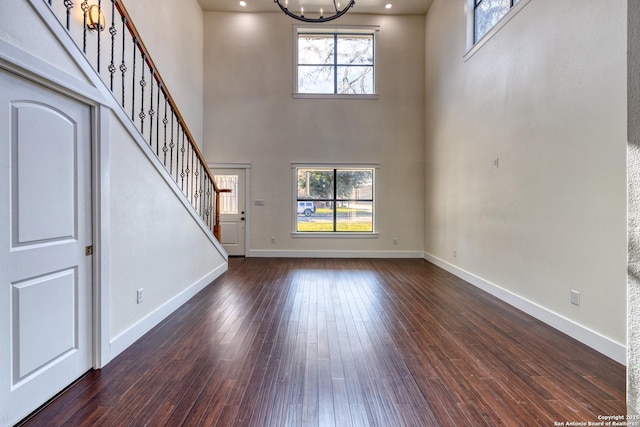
[331, 96]
[334, 235]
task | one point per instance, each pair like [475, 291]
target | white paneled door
[45, 229]
[232, 210]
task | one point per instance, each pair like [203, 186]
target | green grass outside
[353, 226]
[327, 226]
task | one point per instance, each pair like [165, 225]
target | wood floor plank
[337, 342]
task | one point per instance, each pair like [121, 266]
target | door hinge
[88, 250]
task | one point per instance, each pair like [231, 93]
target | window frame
[337, 167]
[335, 30]
[474, 45]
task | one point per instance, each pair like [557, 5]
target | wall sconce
[95, 18]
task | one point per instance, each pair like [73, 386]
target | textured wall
[633, 165]
[251, 117]
[155, 243]
[549, 99]
[22, 27]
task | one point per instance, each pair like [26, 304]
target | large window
[334, 199]
[335, 62]
[487, 13]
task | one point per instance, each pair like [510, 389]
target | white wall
[21, 26]
[172, 32]
[250, 117]
[633, 165]
[155, 243]
[547, 96]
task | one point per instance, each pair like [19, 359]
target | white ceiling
[400, 7]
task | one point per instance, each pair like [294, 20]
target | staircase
[105, 33]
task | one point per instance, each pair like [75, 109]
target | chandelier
[335, 11]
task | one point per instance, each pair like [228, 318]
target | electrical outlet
[455, 253]
[575, 297]
[273, 240]
[496, 162]
[258, 202]
[140, 296]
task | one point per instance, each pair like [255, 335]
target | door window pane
[228, 201]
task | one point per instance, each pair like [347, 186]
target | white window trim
[469, 9]
[364, 29]
[334, 234]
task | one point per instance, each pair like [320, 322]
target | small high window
[334, 199]
[335, 62]
[487, 13]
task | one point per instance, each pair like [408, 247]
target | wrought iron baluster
[133, 82]
[98, 34]
[143, 83]
[165, 121]
[182, 150]
[158, 121]
[171, 145]
[188, 171]
[69, 5]
[85, 8]
[123, 66]
[151, 112]
[113, 32]
[193, 176]
[197, 202]
[203, 198]
[208, 208]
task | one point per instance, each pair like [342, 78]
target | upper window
[487, 13]
[334, 199]
[335, 62]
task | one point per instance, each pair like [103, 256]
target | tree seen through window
[335, 63]
[341, 200]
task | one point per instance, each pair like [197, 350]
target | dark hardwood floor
[302, 342]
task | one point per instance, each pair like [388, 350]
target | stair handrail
[210, 214]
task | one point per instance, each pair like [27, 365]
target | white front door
[45, 227]
[232, 210]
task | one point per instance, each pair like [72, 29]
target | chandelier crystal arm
[339, 12]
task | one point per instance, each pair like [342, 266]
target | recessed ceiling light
[388, 6]
[243, 3]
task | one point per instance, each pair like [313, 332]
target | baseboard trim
[267, 253]
[586, 336]
[121, 342]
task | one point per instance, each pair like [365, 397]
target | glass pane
[320, 220]
[354, 216]
[315, 184]
[355, 80]
[355, 49]
[487, 14]
[228, 201]
[315, 79]
[354, 184]
[315, 49]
